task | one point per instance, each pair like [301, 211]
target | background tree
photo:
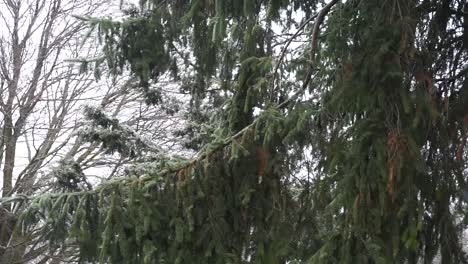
[42, 99]
[39, 92]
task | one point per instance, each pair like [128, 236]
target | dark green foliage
[70, 177]
[113, 136]
[392, 187]
[204, 212]
[368, 168]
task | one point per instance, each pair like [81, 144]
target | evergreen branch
[82, 18]
[85, 60]
[18, 197]
[314, 43]
[202, 155]
[25, 198]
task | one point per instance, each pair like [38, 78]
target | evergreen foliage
[112, 135]
[372, 169]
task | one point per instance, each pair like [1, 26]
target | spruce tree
[353, 151]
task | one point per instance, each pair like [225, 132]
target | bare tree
[42, 95]
[39, 92]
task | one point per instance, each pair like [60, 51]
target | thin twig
[285, 48]
[314, 43]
